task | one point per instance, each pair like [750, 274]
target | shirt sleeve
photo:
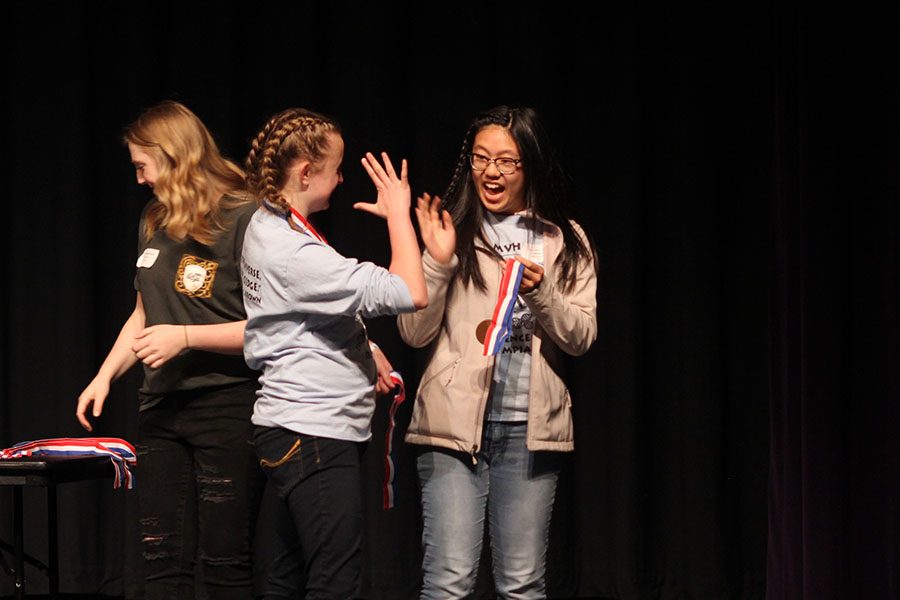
[321, 281]
[141, 239]
[418, 329]
[569, 318]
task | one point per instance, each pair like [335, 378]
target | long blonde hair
[192, 174]
[292, 134]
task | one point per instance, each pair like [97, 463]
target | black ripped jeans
[199, 486]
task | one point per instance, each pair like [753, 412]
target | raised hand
[393, 192]
[436, 227]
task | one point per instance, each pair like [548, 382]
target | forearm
[569, 319]
[121, 356]
[418, 329]
[406, 260]
[571, 328]
[222, 338]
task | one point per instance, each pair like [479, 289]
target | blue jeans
[517, 487]
[317, 540]
[199, 486]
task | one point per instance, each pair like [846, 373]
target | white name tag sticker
[147, 259]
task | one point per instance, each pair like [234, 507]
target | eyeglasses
[504, 165]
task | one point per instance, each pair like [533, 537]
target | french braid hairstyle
[546, 195]
[193, 175]
[291, 135]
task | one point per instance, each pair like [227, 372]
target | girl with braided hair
[494, 416]
[305, 304]
[196, 466]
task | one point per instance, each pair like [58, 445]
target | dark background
[737, 164]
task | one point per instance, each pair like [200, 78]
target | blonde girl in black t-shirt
[196, 469]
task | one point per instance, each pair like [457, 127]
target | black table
[46, 472]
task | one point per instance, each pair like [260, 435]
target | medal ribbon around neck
[501, 322]
[302, 222]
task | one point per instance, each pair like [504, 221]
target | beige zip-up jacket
[452, 398]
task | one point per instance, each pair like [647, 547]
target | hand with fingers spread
[531, 276]
[393, 204]
[393, 192]
[436, 227]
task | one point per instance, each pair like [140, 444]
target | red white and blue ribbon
[501, 322]
[300, 220]
[389, 470]
[120, 453]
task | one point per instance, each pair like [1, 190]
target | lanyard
[301, 220]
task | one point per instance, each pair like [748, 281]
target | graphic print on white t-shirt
[513, 235]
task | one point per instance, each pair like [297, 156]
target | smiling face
[499, 192]
[145, 167]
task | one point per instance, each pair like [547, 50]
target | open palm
[393, 191]
[437, 229]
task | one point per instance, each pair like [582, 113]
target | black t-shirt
[188, 283]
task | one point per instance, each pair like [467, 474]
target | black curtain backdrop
[737, 164]
[834, 495]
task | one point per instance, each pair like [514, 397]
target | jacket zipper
[490, 379]
[487, 387]
[453, 371]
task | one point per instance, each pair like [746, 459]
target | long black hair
[547, 194]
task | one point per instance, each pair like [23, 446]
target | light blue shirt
[305, 304]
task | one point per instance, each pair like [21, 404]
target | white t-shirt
[513, 235]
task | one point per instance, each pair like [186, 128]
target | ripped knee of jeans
[157, 544]
[225, 561]
[216, 489]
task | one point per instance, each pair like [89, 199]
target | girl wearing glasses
[493, 426]
[304, 331]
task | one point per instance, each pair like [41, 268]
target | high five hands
[436, 227]
[439, 236]
[393, 192]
